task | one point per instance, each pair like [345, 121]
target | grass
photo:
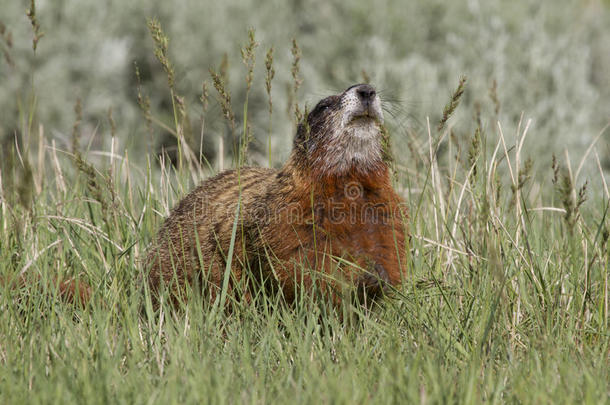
[506, 298]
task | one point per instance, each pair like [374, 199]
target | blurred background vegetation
[547, 59]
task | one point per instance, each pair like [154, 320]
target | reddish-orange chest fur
[353, 224]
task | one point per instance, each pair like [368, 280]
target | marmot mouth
[368, 113]
[364, 117]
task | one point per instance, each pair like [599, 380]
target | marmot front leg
[214, 268]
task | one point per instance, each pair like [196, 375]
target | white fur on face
[353, 107]
[359, 145]
[356, 142]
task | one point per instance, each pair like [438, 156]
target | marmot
[329, 216]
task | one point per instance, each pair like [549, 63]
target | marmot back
[329, 216]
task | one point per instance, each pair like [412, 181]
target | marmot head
[342, 134]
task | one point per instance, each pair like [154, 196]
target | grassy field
[506, 299]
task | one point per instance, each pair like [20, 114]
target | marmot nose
[366, 92]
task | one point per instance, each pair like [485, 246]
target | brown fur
[69, 291]
[329, 214]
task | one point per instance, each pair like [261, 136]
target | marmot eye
[324, 106]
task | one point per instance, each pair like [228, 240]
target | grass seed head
[224, 97]
[452, 104]
[248, 57]
[493, 95]
[78, 112]
[296, 78]
[204, 98]
[38, 34]
[161, 49]
[269, 77]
